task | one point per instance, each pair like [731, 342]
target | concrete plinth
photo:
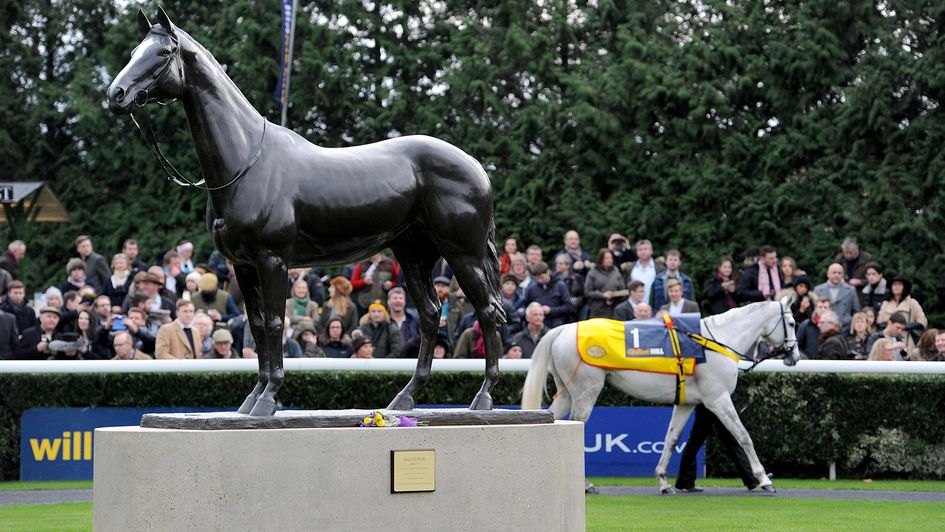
[496, 477]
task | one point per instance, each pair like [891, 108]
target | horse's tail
[538, 372]
[491, 268]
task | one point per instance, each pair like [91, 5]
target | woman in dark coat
[335, 343]
[604, 288]
[720, 289]
[117, 286]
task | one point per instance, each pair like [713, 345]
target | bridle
[786, 348]
[151, 138]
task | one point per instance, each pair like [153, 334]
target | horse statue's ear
[144, 25]
[165, 21]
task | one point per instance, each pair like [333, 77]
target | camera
[118, 324]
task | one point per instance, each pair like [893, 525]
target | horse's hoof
[403, 401]
[248, 404]
[668, 490]
[769, 488]
[482, 401]
[590, 489]
[265, 407]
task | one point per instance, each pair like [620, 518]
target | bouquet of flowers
[380, 419]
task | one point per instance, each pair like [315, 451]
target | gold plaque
[412, 471]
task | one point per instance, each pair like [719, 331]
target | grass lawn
[30, 517]
[787, 483]
[758, 513]
[606, 513]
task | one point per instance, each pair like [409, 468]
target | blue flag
[281, 95]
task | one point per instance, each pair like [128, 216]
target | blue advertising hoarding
[56, 443]
[628, 441]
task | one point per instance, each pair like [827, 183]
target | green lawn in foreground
[605, 513]
[46, 485]
[757, 513]
[30, 517]
[787, 483]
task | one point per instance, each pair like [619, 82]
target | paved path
[44, 496]
[876, 495]
[80, 495]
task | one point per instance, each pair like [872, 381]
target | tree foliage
[708, 126]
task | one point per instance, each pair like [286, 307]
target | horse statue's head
[781, 333]
[155, 72]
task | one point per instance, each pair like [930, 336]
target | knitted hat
[208, 282]
[377, 304]
[342, 285]
[74, 264]
[359, 342]
[441, 279]
[52, 291]
[193, 277]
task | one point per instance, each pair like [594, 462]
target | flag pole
[288, 67]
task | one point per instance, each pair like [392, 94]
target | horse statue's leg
[417, 256]
[252, 295]
[266, 312]
[724, 409]
[471, 274]
[681, 415]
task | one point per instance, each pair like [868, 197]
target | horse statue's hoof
[403, 401]
[248, 404]
[590, 489]
[265, 407]
[482, 401]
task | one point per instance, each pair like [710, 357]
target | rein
[151, 140]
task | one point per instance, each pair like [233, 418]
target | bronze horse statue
[277, 201]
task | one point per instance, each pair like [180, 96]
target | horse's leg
[252, 295]
[583, 390]
[416, 258]
[471, 274]
[681, 414]
[561, 403]
[725, 411]
[273, 280]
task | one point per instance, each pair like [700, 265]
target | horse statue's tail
[538, 372]
[491, 267]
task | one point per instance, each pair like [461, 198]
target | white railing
[408, 365]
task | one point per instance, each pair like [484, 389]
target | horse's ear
[787, 301]
[165, 21]
[144, 25]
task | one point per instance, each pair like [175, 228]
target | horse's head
[780, 332]
[155, 72]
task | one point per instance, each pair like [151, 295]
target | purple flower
[408, 421]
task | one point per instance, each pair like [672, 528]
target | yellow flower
[378, 417]
[380, 422]
[367, 421]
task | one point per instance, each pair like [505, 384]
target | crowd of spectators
[181, 308]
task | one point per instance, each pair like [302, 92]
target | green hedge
[869, 425]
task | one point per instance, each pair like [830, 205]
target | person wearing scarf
[120, 281]
[300, 306]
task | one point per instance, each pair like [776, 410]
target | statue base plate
[487, 477]
[298, 419]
